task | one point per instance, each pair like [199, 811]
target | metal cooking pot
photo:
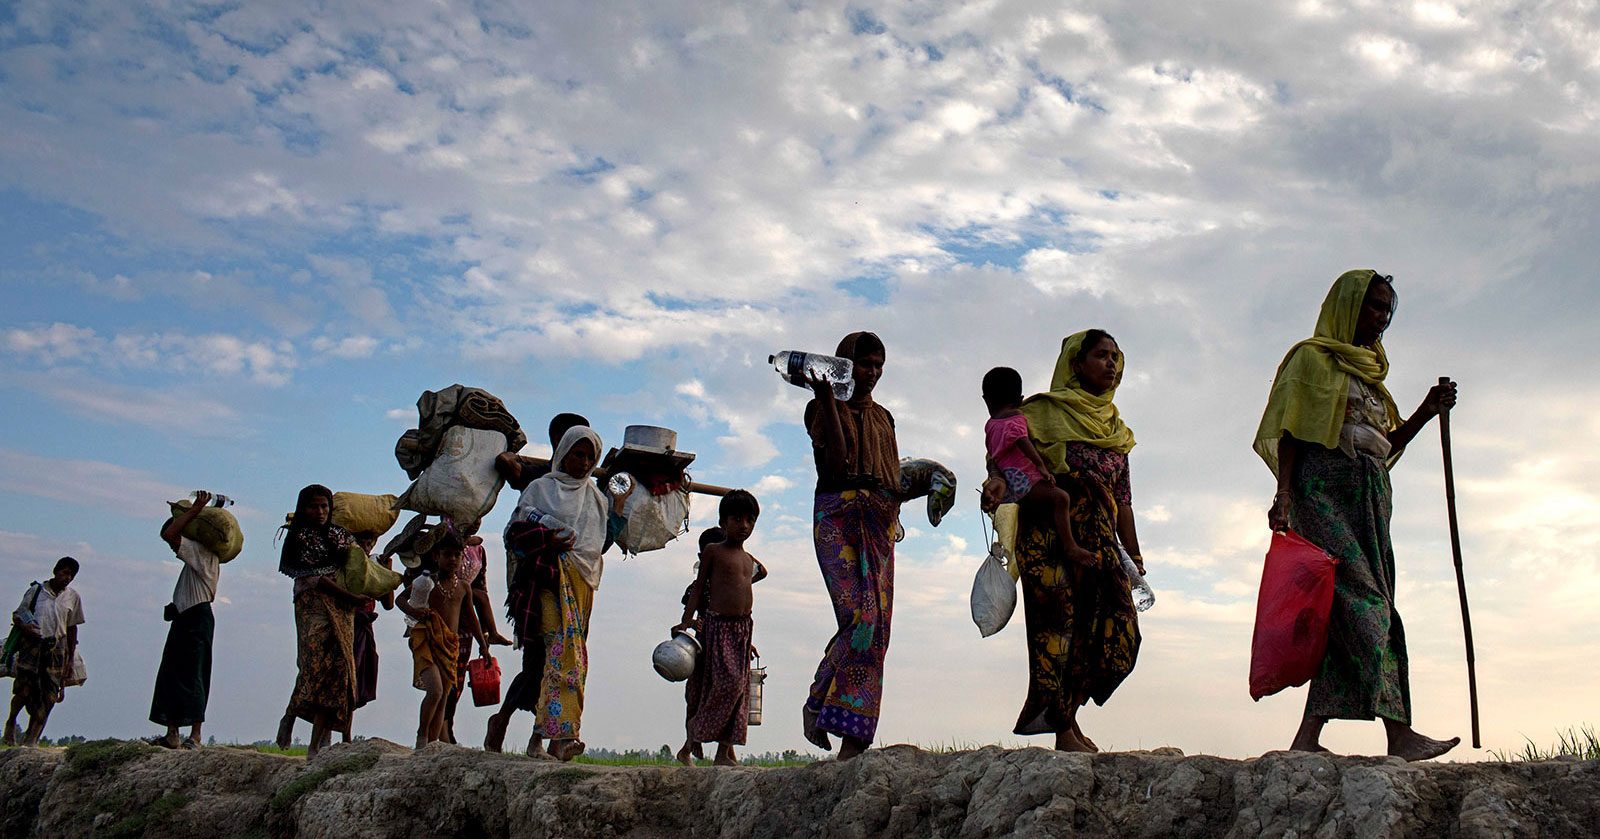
[674, 658]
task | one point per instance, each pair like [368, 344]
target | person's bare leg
[319, 731]
[686, 754]
[36, 726]
[726, 757]
[1067, 739]
[1308, 738]
[536, 744]
[194, 734]
[852, 746]
[494, 733]
[566, 749]
[1077, 731]
[285, 730]
[17, 702]
[1060, 505]
[1405, 742]
[173, 739]
[432, 706]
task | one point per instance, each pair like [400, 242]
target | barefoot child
[1017, 473]
[434, 641]
[718, 692]
[710, 536]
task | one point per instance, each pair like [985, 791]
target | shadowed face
[868, 370]
[738, 526]
[317, 510]
[580, 459]
[1377, 310]
[1098, 368]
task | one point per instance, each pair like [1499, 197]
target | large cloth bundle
[653, 520]
[360, 575]
[456, 405]
[920, 477]
[461, 482]
[215, 529]
[360, 513]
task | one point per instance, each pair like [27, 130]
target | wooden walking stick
[1455, 549]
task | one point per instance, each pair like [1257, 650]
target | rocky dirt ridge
[378, 789]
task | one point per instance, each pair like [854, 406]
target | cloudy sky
[238, 240]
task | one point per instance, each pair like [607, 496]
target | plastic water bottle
[217, 500]
[797, 367]
[620, 484]
[421, 588]
[1143, 597]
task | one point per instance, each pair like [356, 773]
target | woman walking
[1083, 630]
[324, 620]
[1330, 434]
[567, 501]
[856, 518]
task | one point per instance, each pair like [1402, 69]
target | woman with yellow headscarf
[1330, 434]
[1083, 629]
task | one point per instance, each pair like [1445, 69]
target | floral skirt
[1083, 629]
[1342, 504]
[564, 616]
[327, 659]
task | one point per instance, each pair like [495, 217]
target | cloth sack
[461, 482]
[8, 656]
[215, 529]
[361, 513]
[921, 477]
[455, 405]
[80, 673]
[653, 520]
[360, 575]
[994, 593]
[1292, 612]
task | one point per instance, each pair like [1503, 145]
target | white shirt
[197, 582]
[55, 612]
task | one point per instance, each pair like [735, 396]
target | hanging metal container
[758, 675]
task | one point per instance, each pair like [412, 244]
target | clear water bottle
[797, 367]
[1143, 597]
[620, 484]
[421, 589]
[217, 499]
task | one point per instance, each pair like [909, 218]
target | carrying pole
[601, 474]
[1455, 549]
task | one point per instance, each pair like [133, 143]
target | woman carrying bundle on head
[324, 620]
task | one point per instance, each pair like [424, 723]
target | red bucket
[484, 676]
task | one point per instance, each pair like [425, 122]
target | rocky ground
[376, 788]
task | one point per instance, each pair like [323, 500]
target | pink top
[1002, 436]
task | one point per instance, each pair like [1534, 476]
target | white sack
[994, 593]
[461, 482]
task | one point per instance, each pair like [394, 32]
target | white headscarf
[576, 502]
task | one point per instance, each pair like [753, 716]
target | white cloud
[266, 363]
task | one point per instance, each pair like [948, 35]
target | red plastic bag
[484, 676]
[1292, 611]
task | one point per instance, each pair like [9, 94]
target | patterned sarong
[718, 692]
[854, 537]
[564, 616]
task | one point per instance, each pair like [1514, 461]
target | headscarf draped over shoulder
[312, 550]
[576, 502]
[1313, 382]
[1068, 413]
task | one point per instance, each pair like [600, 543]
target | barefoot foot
[1069, 741]
[565, 750]
[1084, 738]
[1413, 746]
[725, 757]
[686, 754]
[494, 735]
[852, 747]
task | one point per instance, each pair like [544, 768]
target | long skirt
[183, 682]
[854, 538]
[366, 652]
[1083, 629]
[564, 616]
[1342, 505]
[327, 659]
[718, 692]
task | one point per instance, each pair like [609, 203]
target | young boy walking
[434, 640]
[718, 691]
[49, 617]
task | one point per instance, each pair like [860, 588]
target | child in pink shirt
[1013, 459]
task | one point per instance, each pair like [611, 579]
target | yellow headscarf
[1070, 414]
[1312, 385]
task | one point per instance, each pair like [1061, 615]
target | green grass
[153, 816]
[102, 755]
[291, 792]
[1579, 742]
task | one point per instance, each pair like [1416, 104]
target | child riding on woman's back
[1017, 473]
